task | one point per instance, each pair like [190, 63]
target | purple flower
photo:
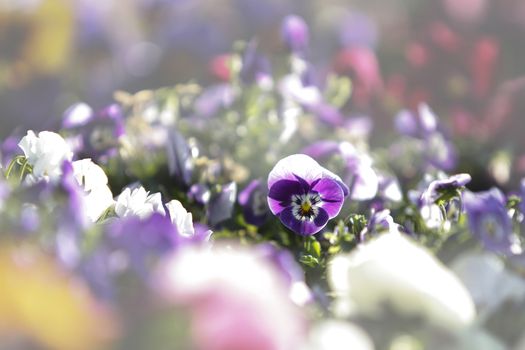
[220, 206]
[437, 187]
[303, 194]
[423, 125]
[522, 196]
[180, 161]
[489, 221]
[253, 202]
[294, 34]
[214, 99]
[380, 222]
[255, 67]
[97, 133]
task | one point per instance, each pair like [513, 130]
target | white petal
[181, 218]
[489, 283]
[394, 269]
[296, 164]
[338, 335]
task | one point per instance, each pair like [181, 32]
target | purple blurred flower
[294, 34]
[389, 189]
[255, 67]
[359, 173]
[253, 202]
[522, 196]
[289, 269]
[200, 193]
[489, 221]
[9, 149]
[180, 162]
[437, 187]
[97, 133]
[438, 150]
[213, 99]
[379, 222]
[303, 194]
[433, 214]
[220, 206]
[142, 240]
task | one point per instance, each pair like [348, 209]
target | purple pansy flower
[489, 220]
[303, 194]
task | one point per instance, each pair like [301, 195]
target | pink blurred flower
[361, 65]
[236, 299]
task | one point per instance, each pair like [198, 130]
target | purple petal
[303, 228]
[280, 194]
[332, 196]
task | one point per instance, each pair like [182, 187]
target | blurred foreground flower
[40, 305]
[236, 299]
[338, 335]
[393, 269]
[303, 194]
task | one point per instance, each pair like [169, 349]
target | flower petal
[283, 190]
[331, 194]
[295, 165]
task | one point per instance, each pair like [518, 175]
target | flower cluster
[256, 212]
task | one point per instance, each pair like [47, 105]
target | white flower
[138, 202]
[489, 283]
[180, 218]
[45, 153]
[237, 300]
[338, 335]
[392, 268]
[95, 184]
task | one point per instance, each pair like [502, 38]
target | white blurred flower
[236, 299]
[489, 283]
[338, 335]
[95, 183]
[45, 153]
[392, 268]
[138, 202]
[181, 218]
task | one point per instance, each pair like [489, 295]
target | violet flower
[380, 222]
[433, 215]
[304, 195]
[255, 67]
[423, 125]
[253, 202]
[294, 34]
[221, 203]
[97, 133]
[489, 221]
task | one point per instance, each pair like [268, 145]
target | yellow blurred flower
[39, 302]
[35, 39]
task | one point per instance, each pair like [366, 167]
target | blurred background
[465, 58]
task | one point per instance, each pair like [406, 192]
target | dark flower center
[306, 206]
